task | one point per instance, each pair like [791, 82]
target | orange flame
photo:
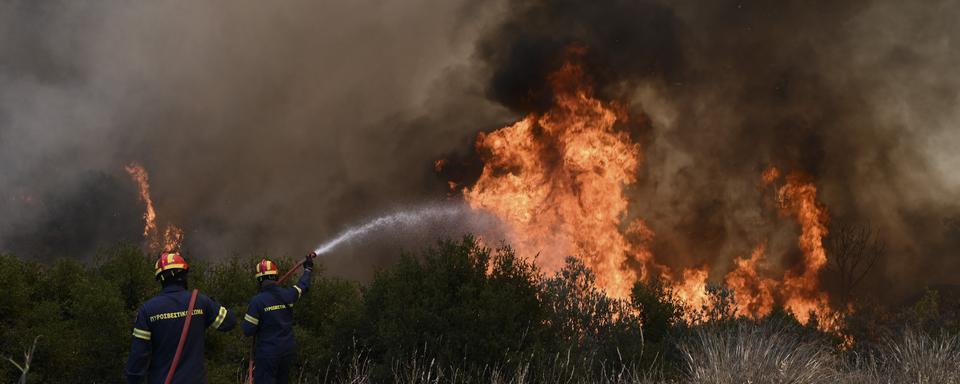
[754, 292]
[770, 175]
[557, 181]
[798, 198]
[172, 238]
[139, 176]
[172, 235]
[692, 289]
[799, 291]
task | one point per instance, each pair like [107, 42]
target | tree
[854, 251]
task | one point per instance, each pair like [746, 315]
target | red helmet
[266, 267]
[170, 261]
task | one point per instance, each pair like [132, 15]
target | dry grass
[915, 357]
[558, 369]
[740, 354]
[752, 354]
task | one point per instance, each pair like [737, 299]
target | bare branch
[27, 359]
[854, 251]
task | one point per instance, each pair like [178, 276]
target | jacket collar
[173, 288]
[268, 284]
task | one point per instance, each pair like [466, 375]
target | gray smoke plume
[271, 126]
[265, 127]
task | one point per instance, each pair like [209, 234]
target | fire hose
[183, 337]
[254, 343]
[186, 330]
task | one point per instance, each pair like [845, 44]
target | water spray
[408, 217]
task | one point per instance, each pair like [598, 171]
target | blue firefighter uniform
[270, 318]
[157, 331]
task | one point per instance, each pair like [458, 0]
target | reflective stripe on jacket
[270, 318]
[156, 333]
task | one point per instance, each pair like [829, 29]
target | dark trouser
[272, 370]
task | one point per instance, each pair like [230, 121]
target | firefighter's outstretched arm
[304, 283]
[139, 360]
[224, 320]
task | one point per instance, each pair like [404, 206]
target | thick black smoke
[627, 41]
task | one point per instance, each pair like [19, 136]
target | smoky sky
[265, 128]
[271, 126]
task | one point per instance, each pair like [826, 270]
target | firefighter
[159, 324]
[270, 318]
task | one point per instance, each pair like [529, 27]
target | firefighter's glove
[308, 261]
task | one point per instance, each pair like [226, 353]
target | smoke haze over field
[269, 127]
[265, 127]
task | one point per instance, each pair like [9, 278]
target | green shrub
[456, 303]
[128, 269]
[82, 318]
[586, 324]
[456, 312]
[660, 309]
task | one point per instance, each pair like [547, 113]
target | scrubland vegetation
[460, 313]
